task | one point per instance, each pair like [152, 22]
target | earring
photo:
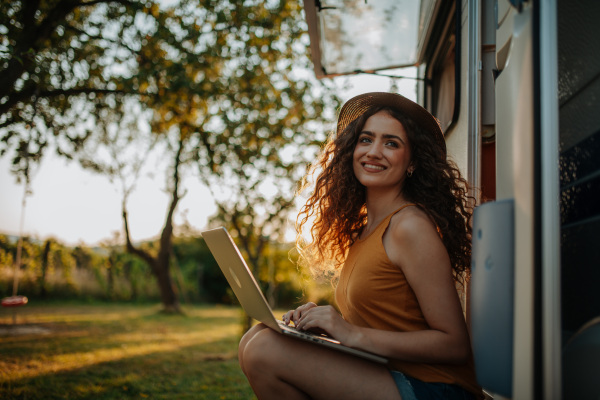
[409, 173]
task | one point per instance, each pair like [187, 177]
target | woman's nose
[374, 151]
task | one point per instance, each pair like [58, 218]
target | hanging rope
[15, 300]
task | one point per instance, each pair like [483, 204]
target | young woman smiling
[390, 217]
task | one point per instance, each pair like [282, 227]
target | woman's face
[382, 154]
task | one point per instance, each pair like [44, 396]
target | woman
[391, 214]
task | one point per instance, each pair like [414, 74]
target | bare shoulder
[412, 240]
[410, 224]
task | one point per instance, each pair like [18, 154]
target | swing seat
[14, 301]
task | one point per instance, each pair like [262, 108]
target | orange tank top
[372, 292]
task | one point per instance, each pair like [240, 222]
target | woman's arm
[412, 243]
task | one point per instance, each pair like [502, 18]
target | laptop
[253, 301]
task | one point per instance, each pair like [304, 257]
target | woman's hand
[295, 315]
[321, 319]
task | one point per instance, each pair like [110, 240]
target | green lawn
[120, 351]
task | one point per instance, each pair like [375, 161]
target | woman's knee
[248, 336]
[261, 353]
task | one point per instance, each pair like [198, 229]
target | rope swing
[15, 300]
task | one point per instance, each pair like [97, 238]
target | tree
[120, 151]
[161, 262]
[260, 105]
[233, 94]
[227, 83]
[65, 67]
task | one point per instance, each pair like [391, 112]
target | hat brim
[358, 105]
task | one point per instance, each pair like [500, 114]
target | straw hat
[356, 106]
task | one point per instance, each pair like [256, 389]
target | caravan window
[349, 36]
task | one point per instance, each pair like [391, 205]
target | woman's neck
[380, 204]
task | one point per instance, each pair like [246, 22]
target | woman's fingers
[295, 315]
[318, 317]
[287, 316]
[300, 311]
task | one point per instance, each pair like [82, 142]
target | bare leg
[282, 388]
[244, 341]
[279, 367]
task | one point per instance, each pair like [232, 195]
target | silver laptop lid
[239, 276]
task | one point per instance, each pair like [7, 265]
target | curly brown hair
[335, 212]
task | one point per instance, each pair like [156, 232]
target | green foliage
[60, 66]
[202, 276]
[53, 271]
[280, 278]
[232, 77]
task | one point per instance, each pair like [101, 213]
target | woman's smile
[375, 167]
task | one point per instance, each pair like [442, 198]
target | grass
[120, 351]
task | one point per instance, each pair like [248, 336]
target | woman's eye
[392, 144]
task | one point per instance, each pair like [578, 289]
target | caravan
[516, 87]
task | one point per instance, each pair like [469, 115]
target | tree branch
[167, 233]
[94, 2]
[134, 250]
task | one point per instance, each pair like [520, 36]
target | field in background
[120, 351]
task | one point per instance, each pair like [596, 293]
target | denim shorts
[415, 389]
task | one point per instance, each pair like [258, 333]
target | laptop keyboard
[307, 334]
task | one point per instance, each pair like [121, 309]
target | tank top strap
[401, 208]
[389, 217]
[383, 225]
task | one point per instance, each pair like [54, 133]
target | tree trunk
[110, 279]
[45, 260]
[160, 268]
[168, 295]
[129, 276]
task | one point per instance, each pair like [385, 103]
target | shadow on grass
[184, 374]
[142, 355]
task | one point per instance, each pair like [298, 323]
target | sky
[78, 207]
